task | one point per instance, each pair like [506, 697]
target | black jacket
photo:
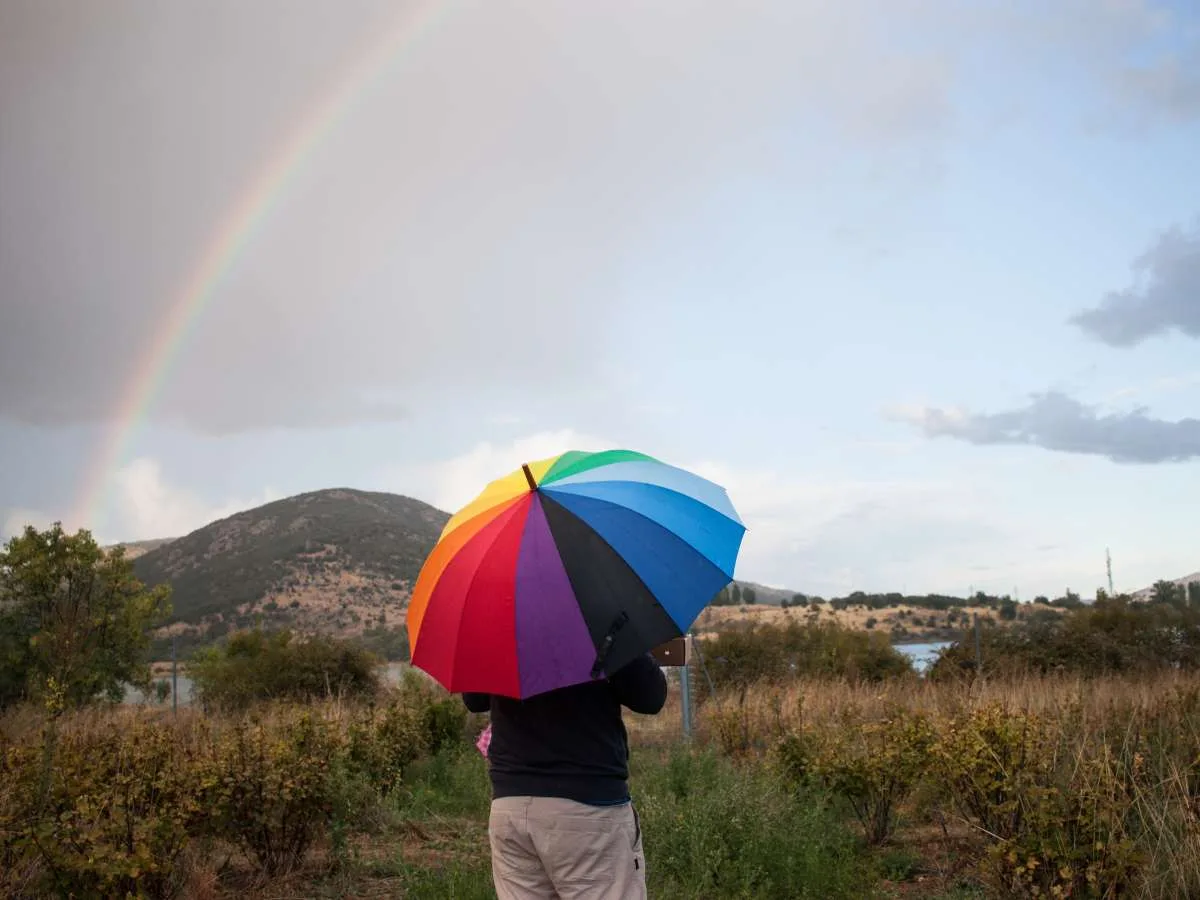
[570, 742]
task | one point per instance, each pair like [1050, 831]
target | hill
[338, 561]
[134, 549]
[1146, 592]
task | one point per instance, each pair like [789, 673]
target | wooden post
[685, 695]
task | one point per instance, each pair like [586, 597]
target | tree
[1166, 592]
[256, 665]
[748, 596]
[1008, 610]
[74, 621]
[1069, 600]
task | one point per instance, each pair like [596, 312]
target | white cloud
[452, 483]
[143, 505]
[146, 506]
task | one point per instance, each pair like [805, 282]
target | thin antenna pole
[1108, 566]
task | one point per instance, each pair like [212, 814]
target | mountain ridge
[336, 560]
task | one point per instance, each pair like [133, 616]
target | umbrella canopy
[568, 568]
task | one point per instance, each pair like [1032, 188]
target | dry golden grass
[814, 702]
[1129, 745]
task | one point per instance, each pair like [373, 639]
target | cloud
[1165, 296]
[464, 224]
[1055, 421]
[147, 506]
[143, 505]
[450, 484]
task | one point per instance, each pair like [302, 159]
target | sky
[917, 281]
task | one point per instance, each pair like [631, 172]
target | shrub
[382, 743]
[441, 718]
[100, 812]
[803, 648]
[269, 788]
[876, 766]
[1059, 819]
[1111, 636]
[253, 666]
[714, 829]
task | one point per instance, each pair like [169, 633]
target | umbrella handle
[606, 644]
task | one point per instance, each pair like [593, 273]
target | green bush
[382, 743]
[441, 717]
[102, 812]
[253, 666]
[715, 829]
[874, 767]
[1062, 819]
[1112, 636]
[802, 649]
[270, 789]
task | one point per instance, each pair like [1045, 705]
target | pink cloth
[485, 740]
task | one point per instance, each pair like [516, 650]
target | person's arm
[641, 686]
[477, 703]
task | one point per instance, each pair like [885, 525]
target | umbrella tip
[529, 476]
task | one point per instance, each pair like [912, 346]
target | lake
[922, 655]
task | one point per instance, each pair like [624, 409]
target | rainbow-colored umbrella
[568, 568]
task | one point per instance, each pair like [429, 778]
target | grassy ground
[712, 830]
[1085, 779]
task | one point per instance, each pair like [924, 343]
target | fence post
[685, 691]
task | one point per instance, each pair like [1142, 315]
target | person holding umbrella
[540, 604]
[563, 823]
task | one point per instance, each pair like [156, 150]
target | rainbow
[233, 235]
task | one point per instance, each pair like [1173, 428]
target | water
[922, 655]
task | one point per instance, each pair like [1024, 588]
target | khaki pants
[544, 848]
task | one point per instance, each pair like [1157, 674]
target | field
[812, 788]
